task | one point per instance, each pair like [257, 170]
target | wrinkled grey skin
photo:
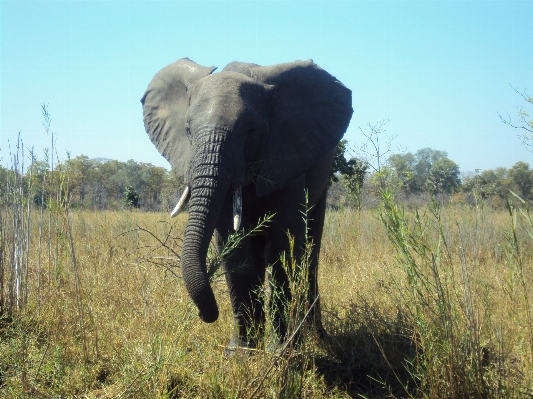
[270, 130]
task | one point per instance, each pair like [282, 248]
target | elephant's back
[241, 67]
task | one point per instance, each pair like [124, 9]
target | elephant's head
[245, 125]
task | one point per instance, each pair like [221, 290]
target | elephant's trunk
[210, 181]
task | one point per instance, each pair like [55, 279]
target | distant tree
[352, 173]
[81, 172]
[500, 172]
[38, 172]
[130, 198]
[108, 187]
[483, 185]
[444, 175]
[153, 183]
[353, 182]
[497, 180]
[522, 177]
[171, 191]
[493, 183]
[423, 169]
[424, 160]
[340, 165]
[385, 178]
[4, 176]
[404, 168]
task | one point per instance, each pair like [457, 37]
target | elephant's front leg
[280, 295]
[245, 271]
[286, 238]
[316, 227]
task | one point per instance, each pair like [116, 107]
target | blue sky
[439, 70]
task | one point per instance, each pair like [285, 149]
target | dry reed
[427, 303]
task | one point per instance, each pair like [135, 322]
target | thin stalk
[39, 249]
[519, 259]
[28, 230]
[77, 281]
[2, 263]
[64, 203]
[285, 346]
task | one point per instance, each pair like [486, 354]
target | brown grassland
[427, 303]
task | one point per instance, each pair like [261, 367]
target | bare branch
[523, 115]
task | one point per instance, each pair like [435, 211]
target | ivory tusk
[237, 208]
[181, 203]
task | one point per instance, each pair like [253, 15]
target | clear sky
[440, 70]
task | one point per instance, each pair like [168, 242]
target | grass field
[427, 303]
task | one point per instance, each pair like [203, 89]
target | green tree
[414, 172]
[497, 181]
[404, 168]
[353, 182]
[5, 175]
[385, 178]
[171, 191]
[482, 185]
[424, 160]
[352, 173]
[340, 165]
[38, 173]
[444, 175]
[130, 198]
[81, 172]
[150, 184]
[522, 177]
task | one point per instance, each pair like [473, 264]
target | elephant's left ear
[310, 112]
[165, 104]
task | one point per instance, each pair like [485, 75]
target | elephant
[248, 141]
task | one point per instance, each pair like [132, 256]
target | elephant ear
[310, 111]
[165, 103]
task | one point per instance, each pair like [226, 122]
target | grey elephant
[248, 141]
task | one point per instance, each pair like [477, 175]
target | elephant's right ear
[165, 103]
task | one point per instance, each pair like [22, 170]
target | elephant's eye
[187, 129]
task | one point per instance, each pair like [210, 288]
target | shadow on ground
[367, 355]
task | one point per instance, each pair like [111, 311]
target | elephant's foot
[238, 344]
[275, 346]
[247, 335]
[279, 342]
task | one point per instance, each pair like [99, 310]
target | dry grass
[111, 318]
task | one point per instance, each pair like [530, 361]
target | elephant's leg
[245, 272]
[282, 298]
[280, 295]
[285, 260]
[316, 227]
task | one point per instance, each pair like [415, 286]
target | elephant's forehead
[227, 82]
[229, 93]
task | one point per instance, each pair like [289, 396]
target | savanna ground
[433, 302]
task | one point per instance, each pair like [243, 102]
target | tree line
[97, 184]
[110, 184]
[410, 175]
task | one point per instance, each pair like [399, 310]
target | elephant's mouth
[237, 205]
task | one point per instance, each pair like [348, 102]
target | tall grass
[430, 302]
[449, 303]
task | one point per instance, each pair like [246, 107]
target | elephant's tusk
[237, 208]
[181, 203]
